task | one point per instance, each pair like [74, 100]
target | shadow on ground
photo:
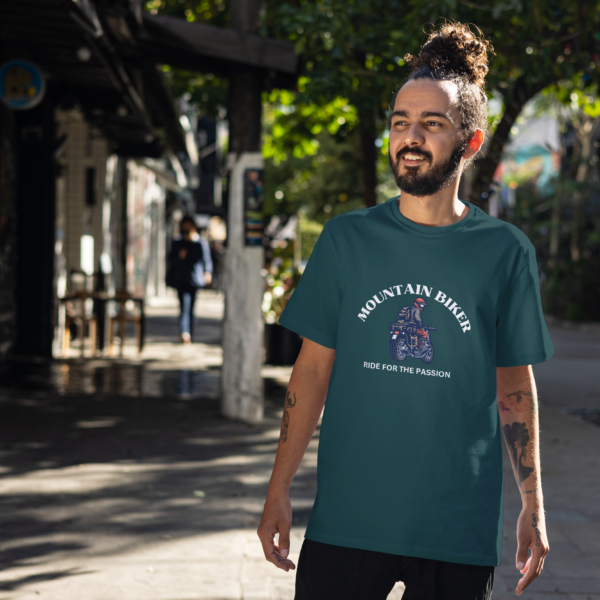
[102, 456]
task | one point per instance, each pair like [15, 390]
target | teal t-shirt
[410, 459]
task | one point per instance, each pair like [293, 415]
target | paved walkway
[120, 481]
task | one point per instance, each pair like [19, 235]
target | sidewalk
[120, 481]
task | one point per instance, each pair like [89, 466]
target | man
[410, 464]
[411, 315]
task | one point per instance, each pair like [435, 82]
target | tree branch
[484, 176]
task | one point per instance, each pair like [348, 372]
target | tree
[207, 92]
[350, 52]
[353, 49]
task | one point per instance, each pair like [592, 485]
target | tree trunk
[244, 15]
[487, 165]
[244, 109]
[244, 98]
[555, 227]
[586, 134]
[243, 326]
[368, 156]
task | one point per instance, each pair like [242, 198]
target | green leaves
[292, 123]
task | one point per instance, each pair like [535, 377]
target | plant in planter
[281, 278]
[281, 345]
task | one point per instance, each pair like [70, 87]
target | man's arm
[303, 405]
[518, 407]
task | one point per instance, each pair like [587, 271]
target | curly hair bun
[454, 51]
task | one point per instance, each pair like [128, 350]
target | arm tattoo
[289, 403]
[503, 407]
[534, 524]
[516, 399]
[517, 438]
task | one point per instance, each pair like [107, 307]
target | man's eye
[399, 123]
[434, 124]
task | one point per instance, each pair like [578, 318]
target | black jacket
[189, 271]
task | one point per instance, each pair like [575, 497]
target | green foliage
[324, 184]
[572, 290]
[292, 127]
[208, 12]
[309, 234]
[353, 61]
[281, 279]
[354, 50]
[207, 92]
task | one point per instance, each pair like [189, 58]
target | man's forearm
[304, 402]
[518, 408]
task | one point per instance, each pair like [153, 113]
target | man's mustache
[423, 153]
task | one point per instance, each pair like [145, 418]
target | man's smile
[413, 159]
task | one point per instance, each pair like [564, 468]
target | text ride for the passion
[403, 369]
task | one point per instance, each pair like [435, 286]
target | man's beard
[437, 177]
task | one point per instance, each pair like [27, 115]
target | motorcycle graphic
[405, 342]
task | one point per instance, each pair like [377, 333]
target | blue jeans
[187, 298]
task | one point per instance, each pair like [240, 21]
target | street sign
[22, 85]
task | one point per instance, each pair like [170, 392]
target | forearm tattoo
[534, 524]
[516, 401]
[517, 438]
[289, 403]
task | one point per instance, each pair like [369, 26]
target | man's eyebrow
[403, 113]
[399, 113]
[438, 114]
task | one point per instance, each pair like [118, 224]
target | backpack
[404, 313]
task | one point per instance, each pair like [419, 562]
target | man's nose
[414, 135]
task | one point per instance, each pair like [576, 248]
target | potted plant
[282, 346]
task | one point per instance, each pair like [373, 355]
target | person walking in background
[189, 267]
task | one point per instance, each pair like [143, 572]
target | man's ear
[474, 144]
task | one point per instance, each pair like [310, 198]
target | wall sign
[22, 85]
[253, 207]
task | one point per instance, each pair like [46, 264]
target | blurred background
[133, 464]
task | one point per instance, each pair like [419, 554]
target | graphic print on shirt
[423, 291]
[410, 337]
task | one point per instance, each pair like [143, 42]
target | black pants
[327, 572]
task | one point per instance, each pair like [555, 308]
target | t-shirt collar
[424, 229]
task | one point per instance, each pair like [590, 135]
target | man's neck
[439, 210]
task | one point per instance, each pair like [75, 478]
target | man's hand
[207, 277]
[531, 534]
[277, 518]
[182, 253]
[304, 401]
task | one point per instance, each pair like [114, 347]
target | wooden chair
[79, 292]
[123, 317]
[81, 319]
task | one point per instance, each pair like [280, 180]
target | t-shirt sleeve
[314, 306]
[522, 337]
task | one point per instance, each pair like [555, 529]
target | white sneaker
[186, 338]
